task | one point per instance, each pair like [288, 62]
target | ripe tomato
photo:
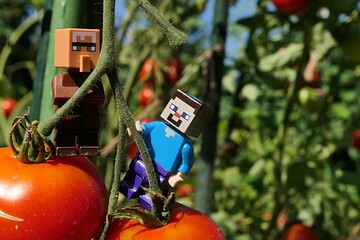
[299, 231]
[185, 224]
[145, 95]
[8, 105]
[172, 71]
[356, 139]
[289, 7]
[148, 71]
[63, 198]
[184, 190]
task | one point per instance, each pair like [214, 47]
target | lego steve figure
[169, 146]
[78, 51]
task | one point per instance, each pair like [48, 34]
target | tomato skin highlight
[185, 224]
[148, 71]
[145, 95]
[62, 199]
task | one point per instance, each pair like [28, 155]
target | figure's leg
[134, 178]
[88, 143]
[65, 143]
[87, 124]
[144, 199]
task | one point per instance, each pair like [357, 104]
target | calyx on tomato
[185, 224]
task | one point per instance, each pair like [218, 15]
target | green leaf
[281, 58]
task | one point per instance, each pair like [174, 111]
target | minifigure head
[77, 48]
[186, 113]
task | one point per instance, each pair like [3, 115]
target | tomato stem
[175, 37]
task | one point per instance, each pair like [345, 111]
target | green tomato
[308, 99]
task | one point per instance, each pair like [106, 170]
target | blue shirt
[168, 147]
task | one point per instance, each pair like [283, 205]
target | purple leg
[144, 199]
[134, 178]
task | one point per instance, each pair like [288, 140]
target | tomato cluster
[63, 198]
[148, 73]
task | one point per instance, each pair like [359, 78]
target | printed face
[84, 41]
[77, 48]
[179, 114]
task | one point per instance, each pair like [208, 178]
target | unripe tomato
[145, 95]
[8, 105]
[356, 139]
[63, 198]
[185, 224]
[299, 231]
[172, 71]
[289, 7]
[308, 99]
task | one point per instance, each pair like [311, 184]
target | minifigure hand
[137, 126]
[175, 179]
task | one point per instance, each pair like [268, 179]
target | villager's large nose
[85, 63]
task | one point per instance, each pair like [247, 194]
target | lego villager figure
[78, 51]
[169, 146]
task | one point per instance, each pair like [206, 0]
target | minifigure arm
[187, 162]
[148, 127]
[138, 128]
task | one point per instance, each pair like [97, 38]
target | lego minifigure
[169, 146]
[78, 51]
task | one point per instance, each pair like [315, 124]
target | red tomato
[131, 149]
[63, 198]
[356, 139]
[172, 71]
[145, 95]
[299, 231]
[8, 105]
[148, 71]
[289, 7]
[184, 190]
[185, 224]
